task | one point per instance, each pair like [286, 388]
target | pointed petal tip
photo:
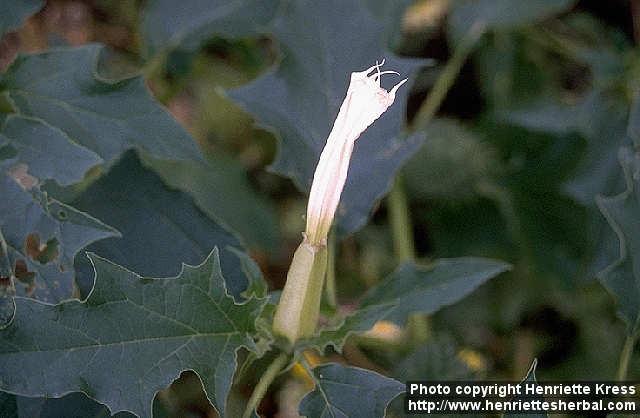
[395, 88]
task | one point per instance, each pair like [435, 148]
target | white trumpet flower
[365, 101]
[296, 315]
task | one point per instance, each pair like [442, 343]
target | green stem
[418, 327]
[263, 384]
[401, 227]
[330, 288]
[625, 357]
[398, 207]
[400, 217]
[446, 78]
[155, 66]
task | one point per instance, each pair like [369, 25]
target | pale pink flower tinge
[365, 101]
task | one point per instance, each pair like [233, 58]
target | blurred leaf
[8, 406]
[349, 392]
[221, 190]
[63, 88]
[604, 48]
[622, 278]
[531, 377]
[546, 115]
[187, 322]
[43, 237]
[501, 14]
[358, 322]
[514, 69]
[392, 14]
[599, 116]
[188, 24]
[74, 405]
[46, 151]
[160, 227]
[13, 13]
[437, 359]
[412, 288]
[548, 227]
[300, 99]
[633, 128]
[476, 227]
[552, 232]
[451, 149]
[558, 231]
[601, 119]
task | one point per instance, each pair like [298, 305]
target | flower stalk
[298, 310]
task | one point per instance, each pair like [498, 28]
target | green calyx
[299, 307]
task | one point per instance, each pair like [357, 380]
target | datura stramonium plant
[297, 313]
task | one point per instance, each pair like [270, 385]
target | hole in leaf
[20, 174]
[6, 286]
[62, 215]
[23, 274]
[5, 281]
[43, 253]
[49, 252]
[32, 245]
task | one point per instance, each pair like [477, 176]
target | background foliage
[198, 127]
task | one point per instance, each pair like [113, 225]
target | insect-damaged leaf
[132, 337]
[300, 99]
[43, 237]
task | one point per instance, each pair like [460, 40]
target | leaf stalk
[265, 381]
[625, 357]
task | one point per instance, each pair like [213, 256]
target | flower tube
[297, 313]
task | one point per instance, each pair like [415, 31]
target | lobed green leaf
[132, 337]
[63, 87]
[501, 14]
[160, 227]
[413, 288]
[349, 392]
[300, 99]
[46, 151]
[43, 237]
[622, 278]
[221, 190]
[167, 25]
